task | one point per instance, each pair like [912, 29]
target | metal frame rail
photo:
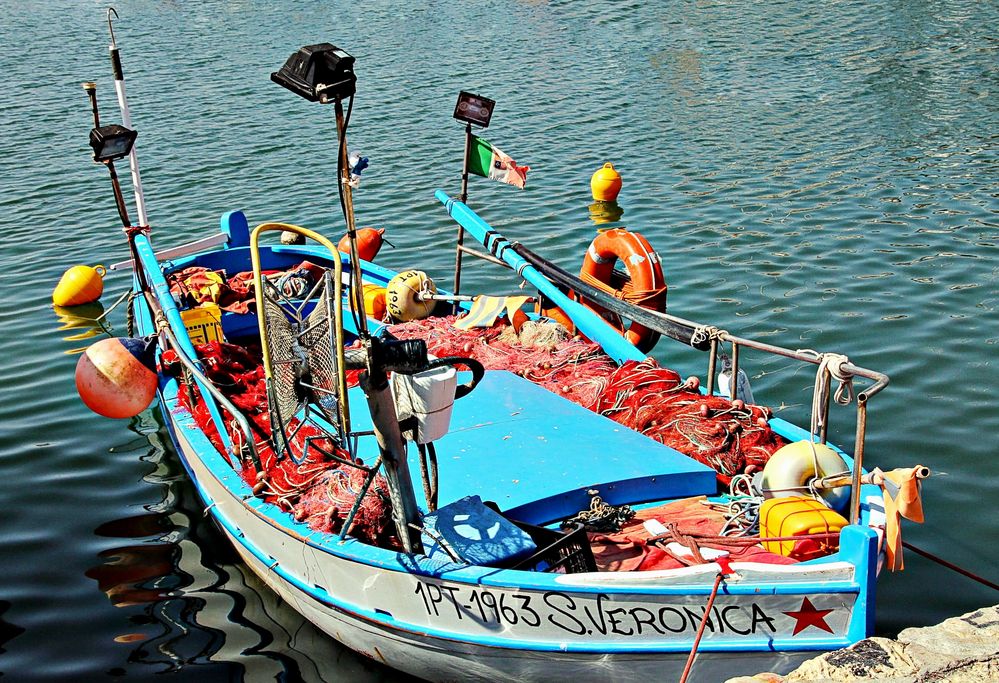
[696, 336]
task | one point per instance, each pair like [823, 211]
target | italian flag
[489, 162]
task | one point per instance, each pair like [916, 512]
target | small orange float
[369, 241]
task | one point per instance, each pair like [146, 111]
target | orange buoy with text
[117, 377]
[369, 241]
[403, 296]
[605, 184]
[79, 285]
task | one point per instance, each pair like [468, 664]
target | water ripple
[810, 172]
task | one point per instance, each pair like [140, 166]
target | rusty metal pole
[356, 293]
[712, 364]
[858, 459]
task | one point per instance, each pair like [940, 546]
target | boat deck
[537, 454]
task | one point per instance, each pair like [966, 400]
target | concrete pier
[962, 649]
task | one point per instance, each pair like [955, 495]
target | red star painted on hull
[807, 616]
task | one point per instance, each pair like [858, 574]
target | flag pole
[464, 200]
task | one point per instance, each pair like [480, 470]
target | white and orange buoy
[403, 297]
[116, 377]
[605, 184]
[79, 285]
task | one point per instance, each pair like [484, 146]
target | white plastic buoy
[743, 390]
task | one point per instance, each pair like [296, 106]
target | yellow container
[374, 301]
[799, 516]
[204, 324]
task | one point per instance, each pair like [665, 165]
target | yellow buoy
[605, 184]
[79, 285]
[402, 297]
[374, 301]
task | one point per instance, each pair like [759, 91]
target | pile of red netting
[317, 490]
[726, 435]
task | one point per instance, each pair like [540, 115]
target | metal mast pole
[126, 120]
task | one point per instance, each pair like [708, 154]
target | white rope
[703, 333]
[831, 365]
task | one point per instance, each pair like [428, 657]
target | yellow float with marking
[79, 285]
[790, 469]
[402, 297]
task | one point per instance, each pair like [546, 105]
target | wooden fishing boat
[474, 574]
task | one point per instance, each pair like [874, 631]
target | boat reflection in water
[192, 605]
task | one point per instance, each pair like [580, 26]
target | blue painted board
[536, 454]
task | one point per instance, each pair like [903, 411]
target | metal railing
[709, 338]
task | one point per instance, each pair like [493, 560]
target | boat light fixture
[111, 142]
[319, 73]
[474, 109]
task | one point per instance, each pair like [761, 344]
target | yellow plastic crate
[799, 516]
[204, 324]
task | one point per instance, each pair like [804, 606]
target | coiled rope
[601, 516]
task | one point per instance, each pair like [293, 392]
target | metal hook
[111, 10]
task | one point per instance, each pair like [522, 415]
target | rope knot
[703, 333]
[831, 365]
[836, 364]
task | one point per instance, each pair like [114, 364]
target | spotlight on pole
[319, 73]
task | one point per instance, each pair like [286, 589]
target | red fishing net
[726, 435]
[317, 489]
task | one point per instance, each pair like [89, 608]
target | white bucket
[428, 396]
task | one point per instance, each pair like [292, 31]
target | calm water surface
[821, 175]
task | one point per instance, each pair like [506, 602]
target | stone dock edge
[958, 650]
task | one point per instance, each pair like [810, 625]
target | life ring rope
[628, 292]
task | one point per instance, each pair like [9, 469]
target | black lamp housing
[319, 73]
[474, 109]
[111, 143]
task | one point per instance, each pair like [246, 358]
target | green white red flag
[490, 162]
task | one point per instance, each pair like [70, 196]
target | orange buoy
[605, 184]
[116, 377]
[79, 285]
[369, 241]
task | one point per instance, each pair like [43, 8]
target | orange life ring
[645, 284]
